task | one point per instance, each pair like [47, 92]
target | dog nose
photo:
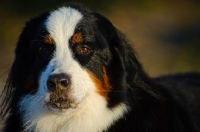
[60, 81]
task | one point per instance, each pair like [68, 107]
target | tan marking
[48, 39]
[77, 38]
[103, 87]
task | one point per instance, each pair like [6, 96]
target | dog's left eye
[83, 50]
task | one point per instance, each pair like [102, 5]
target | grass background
[165, 34]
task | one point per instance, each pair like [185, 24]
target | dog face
[69, 63]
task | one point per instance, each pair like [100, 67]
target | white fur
[91, 114]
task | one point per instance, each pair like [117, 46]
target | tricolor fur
[75, 72]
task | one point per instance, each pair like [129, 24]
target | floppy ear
[135, 76]
[122, 48]
[129, 59]
[15, 75]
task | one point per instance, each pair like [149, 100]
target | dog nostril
[64, 82]
[51, 85]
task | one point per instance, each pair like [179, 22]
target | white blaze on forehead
[61, 25]
[62, 22]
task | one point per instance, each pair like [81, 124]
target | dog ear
[121, 46]
[132, 66]
[15, 74]
[133, 72]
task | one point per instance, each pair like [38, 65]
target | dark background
[165, 34]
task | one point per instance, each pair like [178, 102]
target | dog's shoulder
[183, 91]
[184, 85]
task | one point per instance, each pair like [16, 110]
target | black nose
[61, 81]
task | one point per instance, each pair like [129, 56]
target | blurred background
[165, 34]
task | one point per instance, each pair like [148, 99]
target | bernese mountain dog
[75, 72]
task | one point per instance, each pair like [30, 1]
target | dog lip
[61, 104]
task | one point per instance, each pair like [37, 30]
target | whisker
[20, 109]
[34, 102]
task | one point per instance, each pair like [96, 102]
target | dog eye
[84, 50]
[44, 50]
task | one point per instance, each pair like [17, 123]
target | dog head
[68, 54]
[72, 60]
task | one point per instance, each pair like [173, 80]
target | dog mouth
[61, 99]
[61, 104]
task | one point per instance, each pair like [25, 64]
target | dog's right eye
[44, 50]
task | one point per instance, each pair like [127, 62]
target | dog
[75, 72]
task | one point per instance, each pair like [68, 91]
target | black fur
[164, 104]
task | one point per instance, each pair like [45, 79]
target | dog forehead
[62, 22]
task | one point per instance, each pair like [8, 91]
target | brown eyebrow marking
[48, 39]
[77, 38]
